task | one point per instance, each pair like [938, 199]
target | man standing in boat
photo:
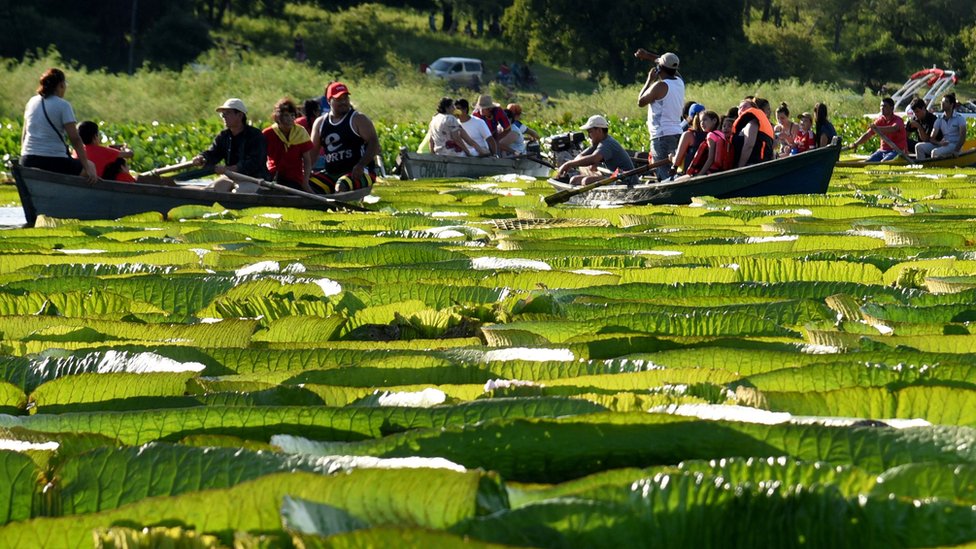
[664, 96]
[240, 146]
[350, 142]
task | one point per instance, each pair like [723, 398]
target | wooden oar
[311, 196]
[891, 144]
[168, 169]
[563, 196]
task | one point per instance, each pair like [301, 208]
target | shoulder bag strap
[55, 128]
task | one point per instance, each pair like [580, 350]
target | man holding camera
[664, 95]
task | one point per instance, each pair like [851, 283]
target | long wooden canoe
[415, 165]
[73, 197]
[805, 173]
[964, 159]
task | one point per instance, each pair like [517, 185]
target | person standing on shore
[664, 95]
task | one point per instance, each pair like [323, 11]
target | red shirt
[899, 136]
[803, 141]
[102, 157]
[288, 164]
[495, 118]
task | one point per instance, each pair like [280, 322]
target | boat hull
[806, 173]
[73, 197]
[429, 166]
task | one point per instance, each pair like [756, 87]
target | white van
[463, 71]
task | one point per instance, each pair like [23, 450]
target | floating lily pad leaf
[827, 377]
[75, 392]
[698, 323]
[556, 331]
[259, 423]
[945, 267]
[229, 333]
[860, 402]
[437, 296]
[667, 275]
[302, 329]
[404, 538]
[950, 284]
[200, 212]
[19, 477]
[786, 270]
[578, 446]
[938, 404]
[307, 517]
[923, 481]
[395, 254]
[109, 478]
[695, 510]
[12, 399]
[159, 536]
[431, 498]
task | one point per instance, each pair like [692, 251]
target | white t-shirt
[664, 115]
[518, 146]
[478, 132]
[444, 135]
[40, 139]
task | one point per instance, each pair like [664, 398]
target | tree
[601, 37]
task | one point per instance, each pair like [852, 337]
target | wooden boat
[73, 197]
[964, 159]
[805, 173]
[415, 165]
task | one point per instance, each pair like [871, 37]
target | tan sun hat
[233, 104]
[596, 121]
[484, 102]
[668, 61]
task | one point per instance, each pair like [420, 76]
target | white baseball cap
[233, 104]
[595, 121]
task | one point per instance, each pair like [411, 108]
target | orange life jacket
[764, 141]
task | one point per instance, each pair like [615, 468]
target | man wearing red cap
[350, 143]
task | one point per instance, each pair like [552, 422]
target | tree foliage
[602, 37]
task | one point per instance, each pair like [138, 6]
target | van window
[472, 67]
[457, 67]
[441, 65]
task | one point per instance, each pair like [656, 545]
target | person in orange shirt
[109, 161]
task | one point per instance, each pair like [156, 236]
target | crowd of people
[487, 131]
[316, 153]
[328, 146]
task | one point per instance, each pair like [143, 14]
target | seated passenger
[713, 155]
[290, 149]
[752, 135]
[824, 131]
[889, 125]
[604, 150]
[950, 129]
[519, 129]
[785, 131]
[447, 136]
[920, 124]
[804, 139]
[689, 142]
[477, 129]
[109, 161]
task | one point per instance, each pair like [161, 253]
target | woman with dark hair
[42, 142]
[823, 130]
[290, 149]
[447, 136]
[785, 130]
[310, 111]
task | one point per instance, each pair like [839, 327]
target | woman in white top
[514, 113]
[447, 137]
[42, 142]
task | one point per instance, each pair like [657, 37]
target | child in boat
[713, 154]
[690, 140]
[804, 140]
[109, 161]
[785, 131]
